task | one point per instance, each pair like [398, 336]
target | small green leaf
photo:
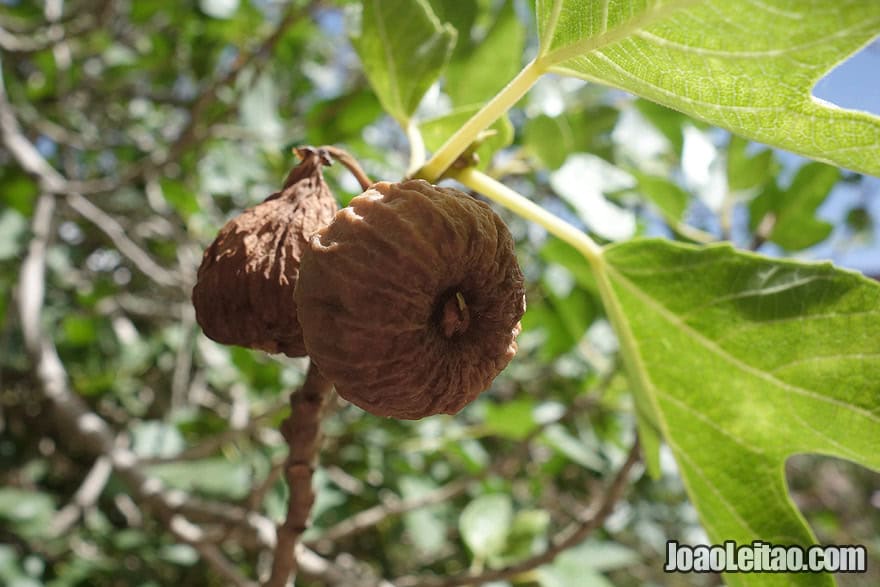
[79, 330]
[404, 49]
[19, 191]
[744, 171]
[795, 225]
[181, 198]
[12, 569]
[557, 437]
[552, 139]
[665, 194]
[485, 523]
[512, 419]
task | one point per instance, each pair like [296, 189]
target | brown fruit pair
[408, 300]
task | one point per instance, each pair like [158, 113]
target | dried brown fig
[244, 293]
[410, 300]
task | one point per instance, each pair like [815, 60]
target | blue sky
[855, 84]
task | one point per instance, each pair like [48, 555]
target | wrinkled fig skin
[244, 293]
[410, 300]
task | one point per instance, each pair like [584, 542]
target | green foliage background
[162, 123]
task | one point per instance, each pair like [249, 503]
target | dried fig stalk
[410, 300]
[244, 292]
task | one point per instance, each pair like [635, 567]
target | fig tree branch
[84, 498]
[301, 430]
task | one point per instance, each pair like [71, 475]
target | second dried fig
[244, 293]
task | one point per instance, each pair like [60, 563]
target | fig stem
[503, 101]
[302, 431]
[516, 202]
[350, 163]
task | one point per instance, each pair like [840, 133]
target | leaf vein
[714, 348]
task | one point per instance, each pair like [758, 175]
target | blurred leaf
[741, 361]
[859, 220]
[404, 49]
[527, 536]
[424, 526]
[583, 565]
[665, 194]
[12, 573]
[604, 556]
[567, 573]
[557, 251]
[327, 497]
[213, 476]
[19, 191]
[13, 228]
[462, 15]
[79, 330]
[757, 85]
[552, 139]
[794, 209]
[541, 317]
[573, 304]
[180, 198]
[179, 554]
[576, 450]
[744, 171]
[512, 419]
[669, 122]
[152, 439]
[485, 523]
[484, 67]
[472, 453]
[26, 512]
[341, 118]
